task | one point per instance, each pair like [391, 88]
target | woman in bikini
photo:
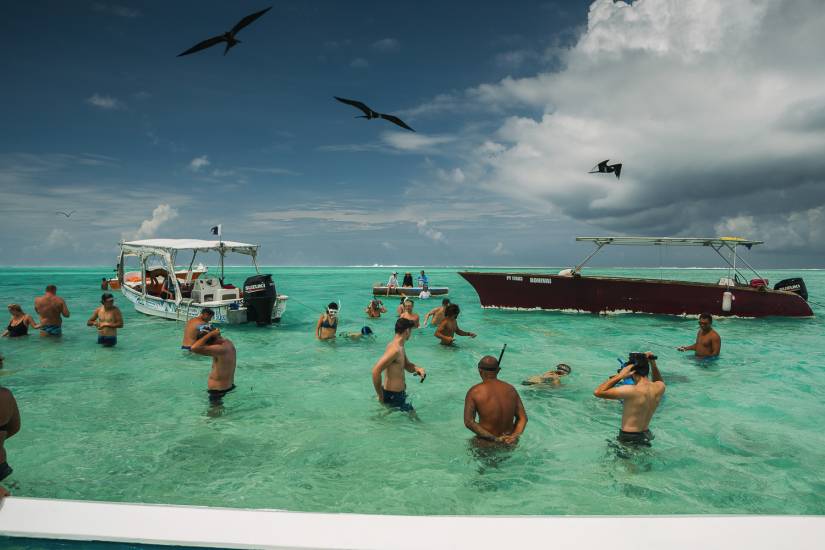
[327, 323]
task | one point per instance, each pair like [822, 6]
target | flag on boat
[216, 230]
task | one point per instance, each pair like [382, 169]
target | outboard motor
[795, 285]
[259, 298]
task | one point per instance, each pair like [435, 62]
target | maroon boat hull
[615, 294]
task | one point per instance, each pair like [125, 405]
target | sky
[716, 110]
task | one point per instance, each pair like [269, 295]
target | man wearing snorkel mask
[639, 399]
[551, 377]
[501, 414]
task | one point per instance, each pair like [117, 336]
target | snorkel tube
[500, 355]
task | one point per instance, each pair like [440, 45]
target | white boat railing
[242, 528]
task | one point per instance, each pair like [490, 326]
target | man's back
[497, 406]
[50, 308]
[640, 404]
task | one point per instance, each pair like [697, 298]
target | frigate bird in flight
[67, 214]
[369, 114]
[604, 168]
[228, 37]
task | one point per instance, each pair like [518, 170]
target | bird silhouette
[228, 37]
[603, 168]
[369, 114]
[68, 215]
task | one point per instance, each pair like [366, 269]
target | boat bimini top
[716, 243]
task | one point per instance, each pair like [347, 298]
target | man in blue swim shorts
[107, 319]
[51, 308]
[393, 391]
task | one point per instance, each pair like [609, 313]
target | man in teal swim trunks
[51, 308]
[393, 391]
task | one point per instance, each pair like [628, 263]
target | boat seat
[209, 290]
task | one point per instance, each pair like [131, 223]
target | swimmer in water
[501, 414]
[639, 400]
[708, 342]
[193, 326]
[549, 378]
[224, 359]
[392, 392]
[448, 329]
[436, 314]
[327, 324]
[365, 331]
[107, 319]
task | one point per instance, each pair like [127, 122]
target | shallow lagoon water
[304, 432]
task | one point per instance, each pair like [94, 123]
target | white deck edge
[242, 528]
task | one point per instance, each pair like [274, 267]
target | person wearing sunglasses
[708, 342]
[327, 324]
[107, 319]
[551, 377]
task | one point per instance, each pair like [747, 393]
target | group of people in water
[493, 409]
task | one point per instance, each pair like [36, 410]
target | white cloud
[409, 141]
[499, 250]
[59, 238]
[429, 232]
[104, 102]
[160, 215]
[388, 245]
[359, 63]
[456, 175]
[715, 109]
[386, 45]
[199, 162]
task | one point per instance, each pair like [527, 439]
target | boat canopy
[716, 243]
[674, 241]
[197, 245]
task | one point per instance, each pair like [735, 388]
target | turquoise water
[304, 432]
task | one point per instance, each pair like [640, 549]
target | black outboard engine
[258, 298]
[795, 285]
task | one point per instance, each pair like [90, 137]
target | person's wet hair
[452, 310]
[403, 324]
[208, 311]
[105, 297]
[15, 307]
[488, 363]
[51, 288]
[445, 302]
[332, 305]
[706, 316]
[643, 370]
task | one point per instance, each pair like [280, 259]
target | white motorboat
[182, 295]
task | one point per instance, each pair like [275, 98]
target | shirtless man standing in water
[394, 362]
[51, 307]
[222, 351]
[193, 326]
[448, 328]
[408, 313]
[436, 314]
[107, 318]
[708, 342]
[501, 414]
[640, 399]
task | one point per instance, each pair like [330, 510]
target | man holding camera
[639, 395]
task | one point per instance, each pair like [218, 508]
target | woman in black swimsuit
[19, 323]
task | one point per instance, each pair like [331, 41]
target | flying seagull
[67, 214]
[369, 114]
[228, 37]
[603, 168]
